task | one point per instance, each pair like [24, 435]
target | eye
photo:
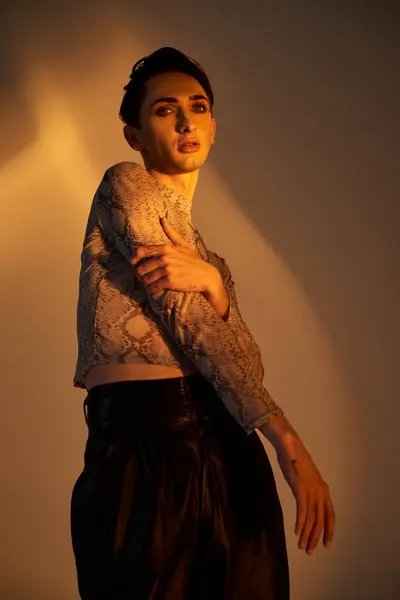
[161, 111]
[200, 105]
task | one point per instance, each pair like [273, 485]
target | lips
[189, 143]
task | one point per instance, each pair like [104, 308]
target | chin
[177, 167]
[191, 162]
[191, 165]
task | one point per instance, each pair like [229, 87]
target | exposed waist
[113, 373]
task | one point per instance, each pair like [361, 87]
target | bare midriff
[112, 373]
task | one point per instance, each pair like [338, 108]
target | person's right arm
[128, 208]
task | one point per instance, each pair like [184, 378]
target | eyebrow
[175, 100]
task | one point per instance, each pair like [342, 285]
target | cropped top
[119, 322]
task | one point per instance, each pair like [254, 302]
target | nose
[184, 122]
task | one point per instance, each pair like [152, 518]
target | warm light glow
[305, 109]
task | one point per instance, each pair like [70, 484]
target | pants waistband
[151, 405]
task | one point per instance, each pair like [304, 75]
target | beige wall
[302, 192]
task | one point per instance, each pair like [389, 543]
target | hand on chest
[187, 230]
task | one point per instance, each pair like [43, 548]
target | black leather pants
[175, 501]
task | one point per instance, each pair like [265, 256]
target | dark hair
[163, 60]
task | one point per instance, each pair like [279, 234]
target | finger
[330, 520]
[154, 275]
[165, 223]
[140, 255]
[318, 526]
[157, 286]
[174, 235]
[309, 524]
[148, 265]
[301, 512]
[147, 251]
[171, 230]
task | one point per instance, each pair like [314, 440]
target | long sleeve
[129, 208]
[234, 318]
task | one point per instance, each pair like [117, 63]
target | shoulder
[125, 170]
[133, 175]
[122, 171]
[129, 183]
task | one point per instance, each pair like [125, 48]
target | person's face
[165, 123]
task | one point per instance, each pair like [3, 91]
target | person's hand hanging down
[179, 268]
[315, 512]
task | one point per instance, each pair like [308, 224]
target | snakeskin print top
[118, 322]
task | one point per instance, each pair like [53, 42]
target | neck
[182, 183]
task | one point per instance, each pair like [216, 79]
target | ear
[131, 138]
[213, 130]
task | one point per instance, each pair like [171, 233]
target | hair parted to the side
[163, 60]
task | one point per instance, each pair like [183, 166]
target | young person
[177, 499]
